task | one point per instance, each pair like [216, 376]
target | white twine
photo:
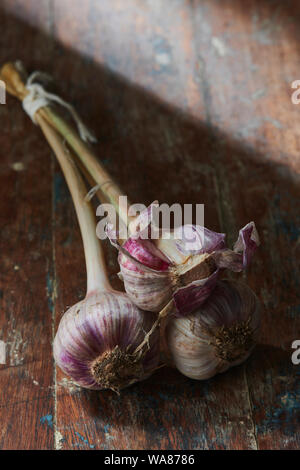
[89, 196]
[38, 98]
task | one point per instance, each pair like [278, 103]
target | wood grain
[191, 104]
[26, 379]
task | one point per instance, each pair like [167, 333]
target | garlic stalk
[100, 341]
[219, 335]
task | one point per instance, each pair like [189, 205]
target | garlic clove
[146, 253]
[150, 291]
[169, 247]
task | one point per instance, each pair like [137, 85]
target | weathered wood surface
[191, 102]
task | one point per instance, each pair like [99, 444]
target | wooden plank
[189, 106]
[26, 378]
[250, 101]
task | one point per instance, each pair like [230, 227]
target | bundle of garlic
[100, 341]
[211, 325]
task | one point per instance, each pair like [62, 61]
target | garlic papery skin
[219, 335]
[148, 290]
[97, 339]
[151, 279]
[151, 289]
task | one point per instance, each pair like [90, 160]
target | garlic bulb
[104, 341]
[217, 336]
[152, 282]
[98, 339]
[152, 278]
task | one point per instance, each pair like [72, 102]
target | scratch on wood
[219, 45]
[69, 385]
[53, 298]
[59, 440]
[17, 347]
[253, 434]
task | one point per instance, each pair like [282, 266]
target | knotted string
[38, 98]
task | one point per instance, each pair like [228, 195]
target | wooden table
[191, 102]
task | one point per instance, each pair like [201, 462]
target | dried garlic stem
[164, 313]
[107, 186]
[95, 263]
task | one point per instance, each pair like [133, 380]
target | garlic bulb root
[117, 369]
[234, 342]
